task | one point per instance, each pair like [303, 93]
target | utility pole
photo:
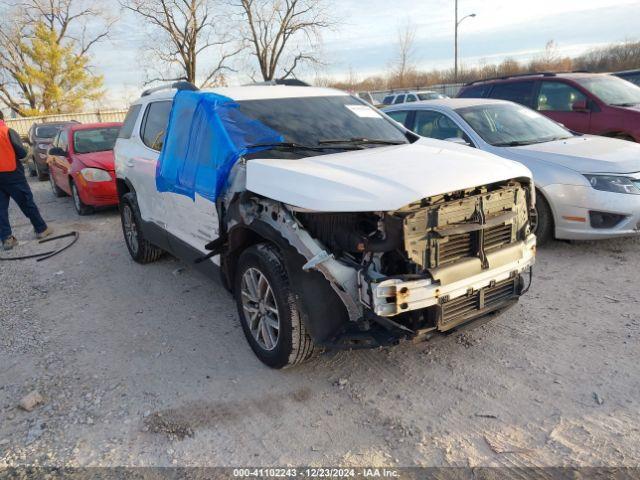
[458, 22]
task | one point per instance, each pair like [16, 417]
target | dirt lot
[148, 366]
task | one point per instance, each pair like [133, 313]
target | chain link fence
[449, 89]
[22, 125]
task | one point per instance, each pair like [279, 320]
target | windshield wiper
[360, 141]
[292, 146]
[518, 143]
[628, 104]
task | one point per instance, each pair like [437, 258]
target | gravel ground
[148, 366]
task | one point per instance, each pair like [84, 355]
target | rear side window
[476, 91]
[399, 99]
[519, 92]
[411, 98]
[400, 117]
[388, 100]
[129, 122]
[154, 125]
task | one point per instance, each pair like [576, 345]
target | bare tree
[74, 25]
[403, 64]
[189, 31]
[283, 34]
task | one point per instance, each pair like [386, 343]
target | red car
[81, 165]
[593, 103]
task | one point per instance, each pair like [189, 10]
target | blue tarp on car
[207, 134]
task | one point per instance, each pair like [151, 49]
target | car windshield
[47, 131]
[95, 140]
[612, 90]
[310, 121]
[430, 96]
[512, 125]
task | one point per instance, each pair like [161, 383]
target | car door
[193, 222]
[557, 100]
[51, 159]
[64, 161]
[59, 164]
[139, 158]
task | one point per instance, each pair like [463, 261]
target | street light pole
[458, 22]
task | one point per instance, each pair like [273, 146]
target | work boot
[45, 234]
[9, 243]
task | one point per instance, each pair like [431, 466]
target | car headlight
[612, 183]
[43, 146]
[95, 175]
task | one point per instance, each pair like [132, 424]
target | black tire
[78, 204]
[544, 225]
[628, 138]
[32, 167]
[294, 344]
[141, 250]
[41, 176]
[57, 191]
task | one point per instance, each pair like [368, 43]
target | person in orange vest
[13, 184]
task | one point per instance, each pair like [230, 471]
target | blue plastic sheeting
[206, 136]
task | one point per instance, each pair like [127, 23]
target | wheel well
[240, 238]
[123, 187]
[541, 194]
[620, 135]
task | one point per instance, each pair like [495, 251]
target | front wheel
[542, 220]
[268, 309]
[78, 204]
[57, 191]
[140, 249]
[39, 173]
[32, 167]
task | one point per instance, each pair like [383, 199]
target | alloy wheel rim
[130, 229]
[260, 309]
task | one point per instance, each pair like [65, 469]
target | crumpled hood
[378, 179]
[586, 154]
[102, 160]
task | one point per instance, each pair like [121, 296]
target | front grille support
[460, 310]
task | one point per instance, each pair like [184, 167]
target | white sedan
[588, 187]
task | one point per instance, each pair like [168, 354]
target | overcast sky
[365, 39]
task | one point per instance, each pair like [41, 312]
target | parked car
[40, 137]
[408, 97]
[367, 97]
[588, 187]
[599, 104]
[348, 232]
[632, 76]
[81, 165]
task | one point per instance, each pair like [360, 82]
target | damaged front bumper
[466, 279]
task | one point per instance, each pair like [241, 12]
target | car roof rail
[183, 85]
[289, 82]
[519, 75]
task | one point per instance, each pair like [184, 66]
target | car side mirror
[580, 106]
[458, 141]
[57, 152]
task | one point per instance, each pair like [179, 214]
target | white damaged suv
[350, 233]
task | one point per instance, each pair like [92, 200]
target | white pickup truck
[351, 233]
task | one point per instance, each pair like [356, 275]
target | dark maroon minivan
[594, 103]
